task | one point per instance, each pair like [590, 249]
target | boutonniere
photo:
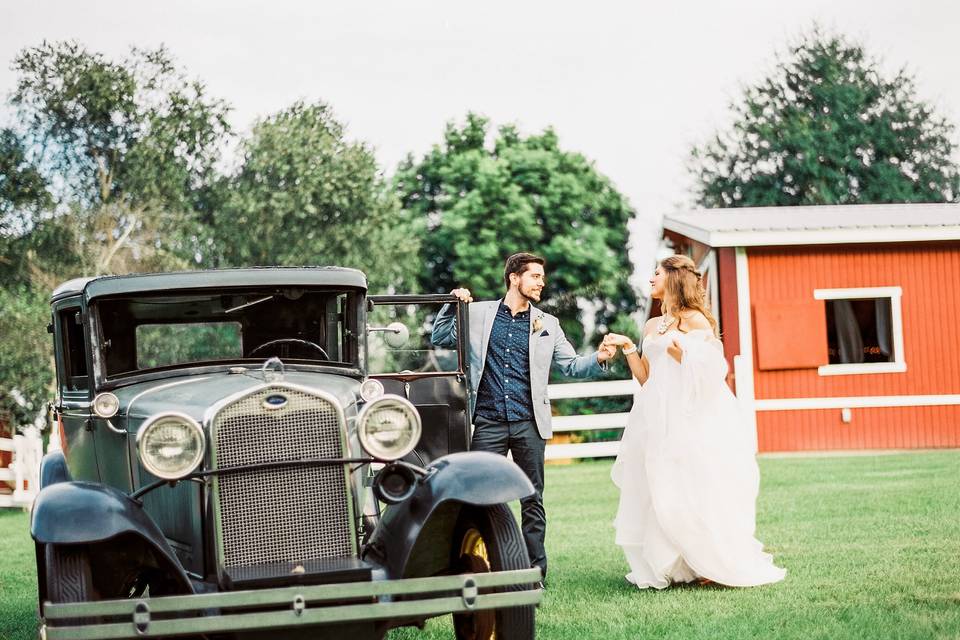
[537, 324]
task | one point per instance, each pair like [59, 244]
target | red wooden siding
[930, 304]
[870, 428]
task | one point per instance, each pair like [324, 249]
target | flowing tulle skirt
[688, 481]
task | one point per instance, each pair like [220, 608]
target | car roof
[100, 286]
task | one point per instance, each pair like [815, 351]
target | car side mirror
[396, 334]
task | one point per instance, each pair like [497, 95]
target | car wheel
[488, 539]
[68, 576]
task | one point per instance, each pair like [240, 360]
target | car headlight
[106, 405]
[171, 445]
[389, 427]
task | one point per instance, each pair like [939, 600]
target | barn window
[864, 330]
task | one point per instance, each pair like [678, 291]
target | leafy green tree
[136, 129]
[828, 127]
[24, 196]
[26, 377]
[23, 189]
[130, 146]
[307, 195]
[105, 171]
[480, 203]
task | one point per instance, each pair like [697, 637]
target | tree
[135, 129]
[828, 128]
[104, 171]
[26, 378]
[24, 196]
[130, 146]
[23, 189]
[480, 203]
[314, 198]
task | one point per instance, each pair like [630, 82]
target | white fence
[590, 422]
[21, 479]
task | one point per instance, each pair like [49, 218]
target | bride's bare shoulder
[696, 320]
[650, 326]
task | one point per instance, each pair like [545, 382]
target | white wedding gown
[687, 474]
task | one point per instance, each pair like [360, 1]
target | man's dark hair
[517, 263]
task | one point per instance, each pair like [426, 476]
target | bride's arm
[639, 366]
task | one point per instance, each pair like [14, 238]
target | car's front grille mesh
[281, 515]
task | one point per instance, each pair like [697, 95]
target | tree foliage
[26, 378]
[828, 127]
[23, 189]
[307, 195]
[480, 203]
[137, 128]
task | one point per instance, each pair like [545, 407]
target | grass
[871, 543]
[18, 577]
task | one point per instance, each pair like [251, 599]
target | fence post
[19, 494]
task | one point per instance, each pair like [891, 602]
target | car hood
[193, 395]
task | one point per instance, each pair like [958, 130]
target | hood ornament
[273, 370]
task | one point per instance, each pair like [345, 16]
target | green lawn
[872, 545]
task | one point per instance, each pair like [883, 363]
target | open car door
[434, 379]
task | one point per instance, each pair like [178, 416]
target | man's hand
[606, 352]
[616, 340]
[463, 294]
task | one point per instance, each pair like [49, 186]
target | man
[512, 346]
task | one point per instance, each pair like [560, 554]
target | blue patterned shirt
[504, 392]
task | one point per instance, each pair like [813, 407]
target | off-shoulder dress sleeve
[703, 368]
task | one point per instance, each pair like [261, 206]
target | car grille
[277, 515]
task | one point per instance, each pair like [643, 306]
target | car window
[74, 349]
[156, 330]
[159, 345]
[417, 354]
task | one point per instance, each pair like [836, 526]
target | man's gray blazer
[548, 345]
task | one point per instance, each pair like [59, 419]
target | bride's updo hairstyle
[684, 289]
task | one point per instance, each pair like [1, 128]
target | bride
[686, 470]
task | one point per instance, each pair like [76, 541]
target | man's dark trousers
[523, 441]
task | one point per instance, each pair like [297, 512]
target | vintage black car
[269, 452]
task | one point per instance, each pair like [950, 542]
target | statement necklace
[664, 324]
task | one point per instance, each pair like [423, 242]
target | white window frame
[896, 319]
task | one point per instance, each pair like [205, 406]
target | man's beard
[529, 294]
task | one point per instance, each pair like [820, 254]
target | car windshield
[155, 331]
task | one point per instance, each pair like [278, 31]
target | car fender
[429, 515]
[53, 469]
[89, 513]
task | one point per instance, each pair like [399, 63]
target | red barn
[841, 324]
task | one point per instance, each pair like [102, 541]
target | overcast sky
[632, 85]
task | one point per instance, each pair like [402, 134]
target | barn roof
[840, 224]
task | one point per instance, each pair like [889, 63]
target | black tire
[68, 576]
[506, 551]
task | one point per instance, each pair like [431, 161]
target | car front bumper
[287, 607]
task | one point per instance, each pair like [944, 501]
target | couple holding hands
[686, 470]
